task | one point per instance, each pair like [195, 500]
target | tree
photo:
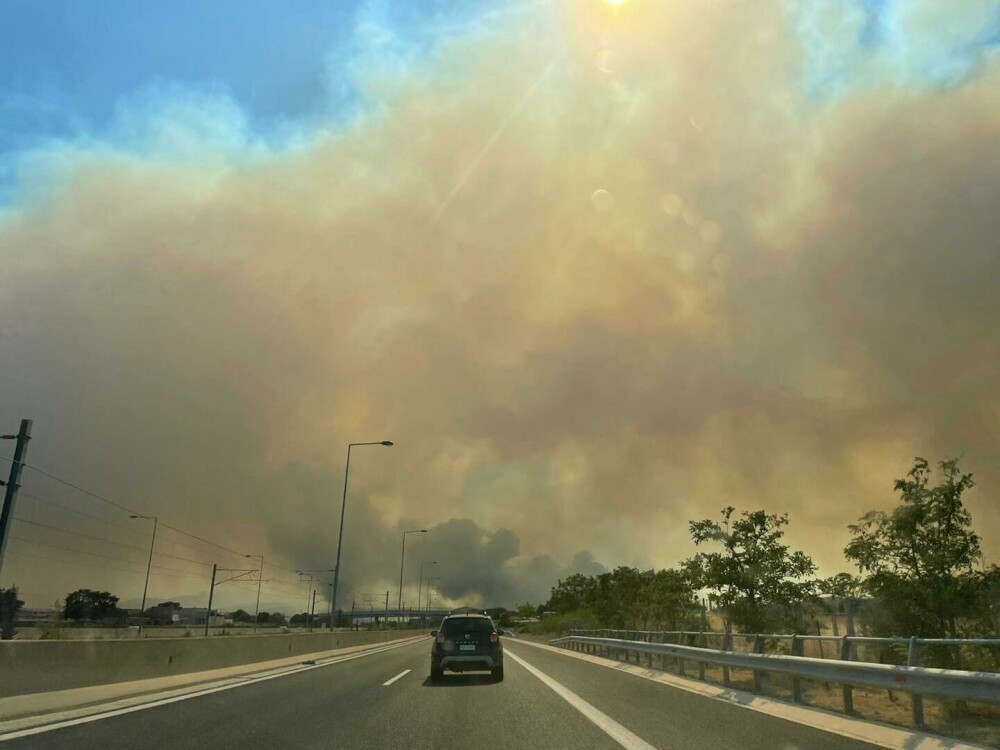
[842, 586]
[276, 618]
[10, 605]
[241, 615]
[500, 616]
[299, 619]
[919, 557]
[86, 604]
[263, 617]
[759, 582]
[614, 599]
[667, 599]
[571, 594]
[526, 610]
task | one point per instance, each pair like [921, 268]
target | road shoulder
[21, 712]
[881, 735]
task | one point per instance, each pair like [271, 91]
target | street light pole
[149, 565]
[402, 556]
[420, 586]
[343, 508]
[427, 605]
[260, 578]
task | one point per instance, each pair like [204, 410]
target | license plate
[467, 647]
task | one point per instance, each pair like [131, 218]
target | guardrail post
[913, 660]
[796, 649]
[758, 676]
[680, 659]
[845, 655]
[702, 643]
[727, 645]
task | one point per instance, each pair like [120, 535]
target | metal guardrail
[918, 681]
[912, 649]
[661, 635]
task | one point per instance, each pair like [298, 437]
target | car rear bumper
[468, 662]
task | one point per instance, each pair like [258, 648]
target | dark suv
[466, 643]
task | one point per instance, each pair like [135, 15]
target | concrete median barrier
[42, 666]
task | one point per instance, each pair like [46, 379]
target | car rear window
[466, 625]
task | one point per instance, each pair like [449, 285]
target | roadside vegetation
[918, 571]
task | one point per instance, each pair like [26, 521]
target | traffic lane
[671, 718]
[309, 707]
[347, 705]
[472, 709]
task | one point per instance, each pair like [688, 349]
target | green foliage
[667, 599]
[572, 593]
[563, 623]
[263, 617]
[10, 605]
[276, 618]
[919, 557]
[527, 610]
[627, 597]
[501, 617]
[91, 606]
[760, 583]
[241, 615]
[615, 597]
[842, 586]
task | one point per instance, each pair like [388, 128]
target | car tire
[436, 674]
[497, 673]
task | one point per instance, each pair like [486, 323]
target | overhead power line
[131, 511]
[139, 567]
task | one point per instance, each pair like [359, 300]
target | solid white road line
[401, 674]
[208, 691]
[605, 723]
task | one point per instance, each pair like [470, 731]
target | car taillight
[440, 638]
[494, 638]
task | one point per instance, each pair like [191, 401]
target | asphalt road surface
[546, 701]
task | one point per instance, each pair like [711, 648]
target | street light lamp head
[423, 531]
[387, 443]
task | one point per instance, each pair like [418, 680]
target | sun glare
[616, 2]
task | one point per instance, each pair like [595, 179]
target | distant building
[28, 617]
[164, 614]
[172, 613]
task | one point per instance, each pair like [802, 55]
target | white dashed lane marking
[401, 674]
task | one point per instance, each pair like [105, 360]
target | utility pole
[386, 622]
[260, 579]
[149, 565]
[13, 482]
[352, 614]
[312, 611]
[313, 598]
[211, 592]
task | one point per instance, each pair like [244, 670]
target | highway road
[385, 700]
